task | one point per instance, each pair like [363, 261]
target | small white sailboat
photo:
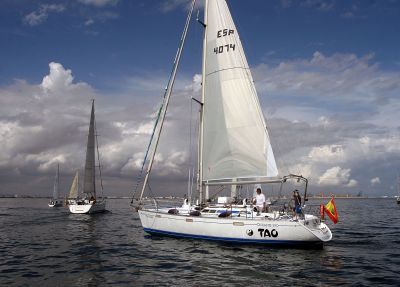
[398, 191]
[234, 149]
[89, 201]
[55, 201]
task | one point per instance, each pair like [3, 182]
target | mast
[56, 183]
[203, 77]
[167, 96]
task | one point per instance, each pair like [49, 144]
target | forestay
[235, 139]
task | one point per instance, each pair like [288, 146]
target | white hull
[55, 204]
[237, 229]
[87, 207]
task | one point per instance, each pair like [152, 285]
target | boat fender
[225, 213]
[195, 213]
[173, 211]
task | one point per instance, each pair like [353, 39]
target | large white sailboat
[234, 149]
[89, 201]
[55, 201]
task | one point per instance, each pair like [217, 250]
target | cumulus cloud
[339, 79]
[330, 153]
[337, 176]
[331, 111]
[333, 118]
[375, 181]
[58, 78]
[45, 124]
[40, 16]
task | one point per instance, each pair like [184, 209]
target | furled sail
[73, 192]
[235, 139]
[89, 187]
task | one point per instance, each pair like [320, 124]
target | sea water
[42, 246]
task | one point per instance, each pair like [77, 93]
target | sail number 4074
[227, 47]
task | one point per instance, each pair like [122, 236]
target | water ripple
[48, 247]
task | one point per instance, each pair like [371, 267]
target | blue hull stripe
[228, 239]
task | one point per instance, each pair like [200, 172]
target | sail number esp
[227, 47]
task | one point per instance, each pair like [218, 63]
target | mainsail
[235, 139]
[89, 186]
[73, 192]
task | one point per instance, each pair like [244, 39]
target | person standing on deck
[259, 201]
[297, 202]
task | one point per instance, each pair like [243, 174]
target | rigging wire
[167, 95]
[139, 177]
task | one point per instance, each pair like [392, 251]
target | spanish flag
[330, 209]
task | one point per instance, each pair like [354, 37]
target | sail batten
[235, 139]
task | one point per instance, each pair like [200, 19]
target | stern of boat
[318, 228]
[91, 207]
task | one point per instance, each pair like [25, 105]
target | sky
[327, 74]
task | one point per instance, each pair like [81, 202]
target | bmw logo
[249, 232]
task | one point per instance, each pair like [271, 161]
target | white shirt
[260, 200]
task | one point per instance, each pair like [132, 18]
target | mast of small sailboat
[56, 183]
[89, 184]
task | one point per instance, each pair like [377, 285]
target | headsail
[235, 139]
[73, 192]
[89, 185]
